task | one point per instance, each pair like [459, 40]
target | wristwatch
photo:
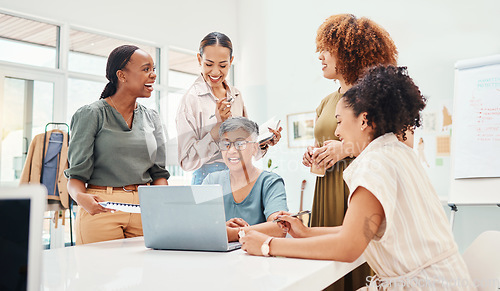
[265, 247]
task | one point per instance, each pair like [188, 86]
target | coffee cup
[317, 169]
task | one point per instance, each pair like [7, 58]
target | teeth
[149, 84]
[215, 79]
[233, 159]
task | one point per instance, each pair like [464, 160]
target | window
[183, 71]
[28, 42]
[25, 107]
[37, 89]
[81, 92]
[88, 52]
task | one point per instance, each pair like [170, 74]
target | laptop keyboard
[233, 245]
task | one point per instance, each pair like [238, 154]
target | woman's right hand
[307, 158]
[223, 110]
[90, 203]
[293, 226]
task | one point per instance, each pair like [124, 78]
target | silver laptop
[184, 218]
[21, 214]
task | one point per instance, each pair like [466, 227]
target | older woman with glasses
[252, 197]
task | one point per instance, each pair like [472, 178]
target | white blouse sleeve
[195, 145]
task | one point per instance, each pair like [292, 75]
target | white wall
[430, 35]
[251, 74]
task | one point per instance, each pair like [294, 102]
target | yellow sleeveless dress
[331, 193]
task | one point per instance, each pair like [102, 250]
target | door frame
[55, 76]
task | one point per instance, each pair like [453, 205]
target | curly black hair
[390, 98]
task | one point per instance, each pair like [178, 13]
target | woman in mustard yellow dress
[348, 46]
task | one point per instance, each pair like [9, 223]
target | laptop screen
[14, 243]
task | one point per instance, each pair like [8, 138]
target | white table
[128, 265]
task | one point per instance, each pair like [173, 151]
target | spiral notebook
[125, 207]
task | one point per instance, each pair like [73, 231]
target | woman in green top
[116, 145]
[348, 46]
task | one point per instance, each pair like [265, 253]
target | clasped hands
[331, 152]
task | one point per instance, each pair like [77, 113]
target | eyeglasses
[239, 145]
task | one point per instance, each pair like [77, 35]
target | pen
[278, 126]
[229, 99]
[295, 215]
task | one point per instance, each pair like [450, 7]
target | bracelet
[265, 248]
[241, 233]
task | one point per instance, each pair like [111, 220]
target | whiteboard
[475, 151]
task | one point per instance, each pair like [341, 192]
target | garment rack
[66, 127]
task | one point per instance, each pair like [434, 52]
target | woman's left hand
[252, 241]
[276, 137]
[329, 153]
[237, 222]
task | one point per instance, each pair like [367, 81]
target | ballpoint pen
[229, 99]
[295, 215]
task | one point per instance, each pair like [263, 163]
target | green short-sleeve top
[326, 124]
[104, 151]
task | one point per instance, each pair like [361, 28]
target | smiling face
[329, 65]
[215, 63]
[352, 130]
[232, 156]
[138, 75]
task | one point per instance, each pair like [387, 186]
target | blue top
[266, 197]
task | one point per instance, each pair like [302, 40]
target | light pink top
[195, 118]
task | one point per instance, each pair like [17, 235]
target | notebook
[184, 218]
[125, 207]
[265, 134]
[21, 213]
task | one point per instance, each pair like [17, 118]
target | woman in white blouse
[394, 216]
[206, 104]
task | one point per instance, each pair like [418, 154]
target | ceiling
[26, 30]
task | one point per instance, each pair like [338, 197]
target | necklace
[114, 105]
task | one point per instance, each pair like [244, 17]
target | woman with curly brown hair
[395, 218]
[347, 46]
